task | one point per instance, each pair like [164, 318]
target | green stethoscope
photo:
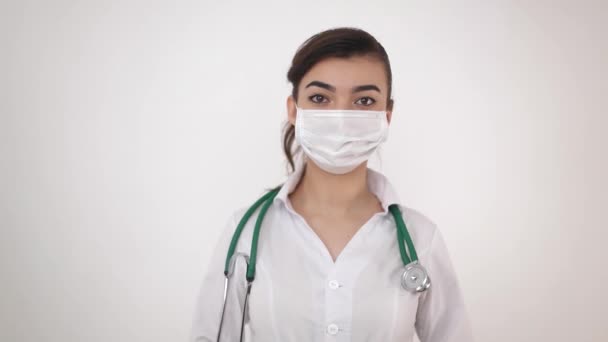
[414, 278]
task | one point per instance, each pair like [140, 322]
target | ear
[291, 110]
[389, 110]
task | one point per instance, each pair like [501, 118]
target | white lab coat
[300, 294]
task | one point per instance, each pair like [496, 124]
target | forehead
[348, 72]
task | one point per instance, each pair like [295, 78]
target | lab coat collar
[378, 184]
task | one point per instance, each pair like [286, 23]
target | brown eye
[366, 101]
[317, 98]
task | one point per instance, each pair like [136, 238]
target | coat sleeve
[208, 307]
[442, 315]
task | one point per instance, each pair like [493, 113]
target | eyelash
[311, 98]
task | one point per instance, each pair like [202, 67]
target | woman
[328, 264]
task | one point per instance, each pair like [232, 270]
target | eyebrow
[333, 89]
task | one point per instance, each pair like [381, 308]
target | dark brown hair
[342, 42]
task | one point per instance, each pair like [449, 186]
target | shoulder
[422, 229]
[234, 218]
[231, 225]
[237, 214]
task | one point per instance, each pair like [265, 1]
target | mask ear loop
[300, 157]
[375, 160]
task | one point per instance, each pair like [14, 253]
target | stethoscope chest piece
[415, 278]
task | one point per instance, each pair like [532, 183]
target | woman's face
[342, 83]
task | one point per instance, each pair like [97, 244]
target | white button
[332, 329]
[333, 284]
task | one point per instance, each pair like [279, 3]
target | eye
[366, 101]
[317, 98]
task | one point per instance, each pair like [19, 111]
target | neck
[328, 192]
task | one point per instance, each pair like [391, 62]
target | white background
[129, 131]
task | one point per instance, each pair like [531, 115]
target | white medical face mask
[339, 140]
